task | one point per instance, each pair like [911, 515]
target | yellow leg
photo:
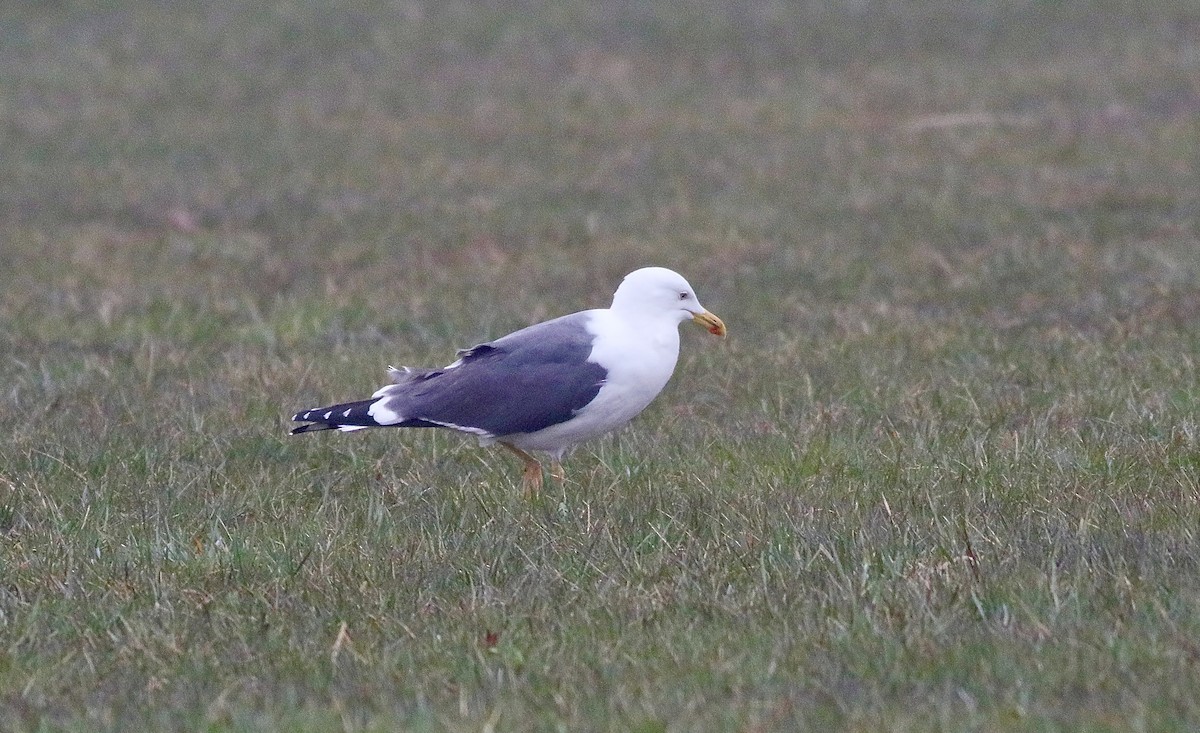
[556, 470]
[531, 476]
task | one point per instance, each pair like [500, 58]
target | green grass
[943, 475]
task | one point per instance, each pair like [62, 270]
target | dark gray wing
[524, 382]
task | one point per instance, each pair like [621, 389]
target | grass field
[943, 475]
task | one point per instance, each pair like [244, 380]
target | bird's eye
[683, 295]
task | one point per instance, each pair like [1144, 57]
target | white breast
[639, 358]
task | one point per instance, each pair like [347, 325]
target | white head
[654, 291]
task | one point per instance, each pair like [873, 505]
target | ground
[944, 474]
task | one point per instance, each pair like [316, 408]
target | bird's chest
[648, 366]
[636, 374]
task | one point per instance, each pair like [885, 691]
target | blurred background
[265, 163]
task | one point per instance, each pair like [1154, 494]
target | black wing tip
[306, 415]
[346, 416]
